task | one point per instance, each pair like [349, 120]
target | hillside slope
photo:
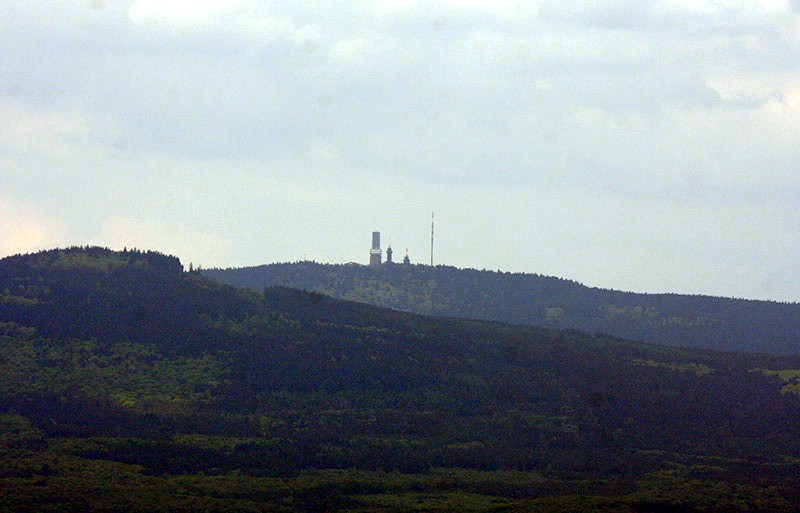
[127, 384]
[668, 319]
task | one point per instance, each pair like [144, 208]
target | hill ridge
[129, 384]
[524, 298]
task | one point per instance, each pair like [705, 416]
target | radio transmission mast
[431, 239]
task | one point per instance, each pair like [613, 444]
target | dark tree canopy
[129, 384]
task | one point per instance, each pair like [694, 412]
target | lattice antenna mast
[432, 239]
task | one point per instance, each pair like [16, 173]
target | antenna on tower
[431, 239]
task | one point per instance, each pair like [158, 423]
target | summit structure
[375, 254]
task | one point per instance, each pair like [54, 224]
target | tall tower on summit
[375, 252]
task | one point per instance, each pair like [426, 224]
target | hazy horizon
[646, 147]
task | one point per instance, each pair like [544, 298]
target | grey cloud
[225, 91]
[707, 18]
[715, 35]
[617, 15]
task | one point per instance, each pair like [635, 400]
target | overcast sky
[648, 146]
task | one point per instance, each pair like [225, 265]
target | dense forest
[668, 319]
[128, 384]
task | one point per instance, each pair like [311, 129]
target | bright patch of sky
[648, 146]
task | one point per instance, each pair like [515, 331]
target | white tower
[375, 253]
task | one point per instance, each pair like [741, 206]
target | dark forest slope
[669, 319]
[127, 384]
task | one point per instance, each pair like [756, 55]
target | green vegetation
[127, 384]
[698, 369]
[668, 319]
[789, 377]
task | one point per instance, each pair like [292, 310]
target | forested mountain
[669, 319]
[127, 384]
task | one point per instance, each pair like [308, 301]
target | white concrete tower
[375, 254]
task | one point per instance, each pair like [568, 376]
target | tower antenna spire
[432, 218]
